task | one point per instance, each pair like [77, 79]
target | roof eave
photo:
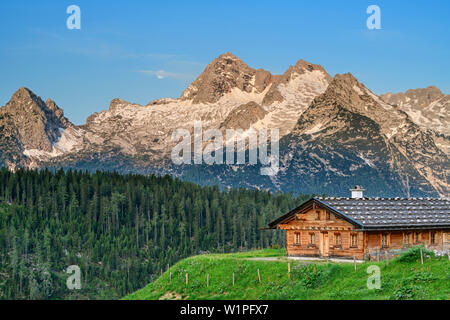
[404, 227]
[274, 224]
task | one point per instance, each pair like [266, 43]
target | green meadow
[403, 278]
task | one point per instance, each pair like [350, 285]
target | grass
[404, 278]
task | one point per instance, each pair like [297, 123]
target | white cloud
[161, 74]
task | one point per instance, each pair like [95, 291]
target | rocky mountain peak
[417, 98]
[430, 92]
[428, 107]
[302, 67]
[117, 103]
[24, 97]
[228, 55]
[303, 76]
[22, 93]
[221, 76]
[26, 102]
[355, 123]
[346, 93]
[347, 90]
[51, 105]
[55, 112]
[345, 83]
[33, 122]
[346, 78]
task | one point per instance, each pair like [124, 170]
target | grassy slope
[318, 280]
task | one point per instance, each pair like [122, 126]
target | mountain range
[334, 132]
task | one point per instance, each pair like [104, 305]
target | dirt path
[305, 259]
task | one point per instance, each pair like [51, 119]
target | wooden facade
[314, 231]
[319, 233]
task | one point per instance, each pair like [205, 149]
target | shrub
[423, 276]
[413, 254]
[309, 276]
[407, 292]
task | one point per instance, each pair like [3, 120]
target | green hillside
[404, 278]
[121, 230]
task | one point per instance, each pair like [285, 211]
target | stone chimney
[357, 192]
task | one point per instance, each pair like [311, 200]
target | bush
[423, 276]
[413, 254]
[408, 291]
[310, 276]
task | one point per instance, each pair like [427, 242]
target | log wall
[318, 233]
[327, 230]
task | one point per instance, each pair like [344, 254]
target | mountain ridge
[229, 94]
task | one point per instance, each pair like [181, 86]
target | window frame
[385, 240]
[432, 237]
[312, 236]
[355, 237]
[297, 239]
[318, 215]
[337, 236]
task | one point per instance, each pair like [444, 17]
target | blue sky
[83, 70]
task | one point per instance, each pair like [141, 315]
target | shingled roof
[382, 213]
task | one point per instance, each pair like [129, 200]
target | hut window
[338, 239]
[328, 216]
[417, 237]
[312, 238]
[354, 240]
[317, 215]
[384, 240]
[433, 238]
[297, 238]
[407, 238]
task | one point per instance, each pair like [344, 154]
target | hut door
[324, 245]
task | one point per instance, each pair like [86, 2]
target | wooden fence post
[387, 258]
[259, 276]
[207, 280]
[187, 278]
[233, 278]
[170, 277]
[354, 262]
[289, 270]
[421, 256]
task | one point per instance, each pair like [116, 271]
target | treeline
[121, 230]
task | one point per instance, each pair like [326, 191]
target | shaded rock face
[244, 116]
[349, 132]
[34, 123]
[224, 74]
